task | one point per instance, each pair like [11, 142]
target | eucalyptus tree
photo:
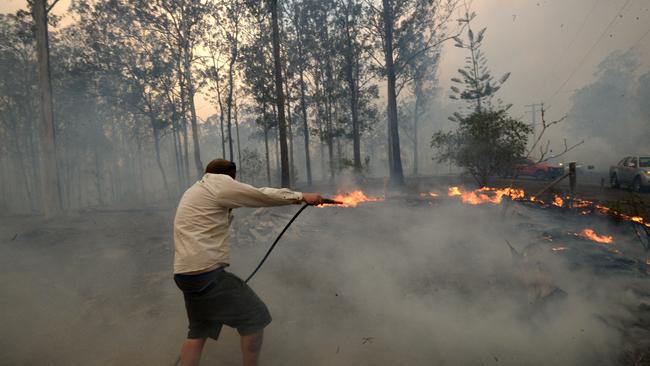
[18, 103]
[122, 43]
[258, 79]
[401, 30]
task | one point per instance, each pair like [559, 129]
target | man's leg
[191, 351]
[251, 346]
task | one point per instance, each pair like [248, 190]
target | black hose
[276, 241]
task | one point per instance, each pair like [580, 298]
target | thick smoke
[397, 282]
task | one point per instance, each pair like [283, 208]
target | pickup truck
[632, 171]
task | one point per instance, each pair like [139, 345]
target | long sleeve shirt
[203, 218]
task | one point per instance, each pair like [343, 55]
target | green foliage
[486, 143]
[476, 84]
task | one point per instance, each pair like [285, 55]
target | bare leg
[191, 351]
[251, 346]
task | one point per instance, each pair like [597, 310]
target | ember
[558, 201]
[591, 235]
[353, 199]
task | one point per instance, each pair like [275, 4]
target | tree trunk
[266, 145]
[416, 119]
[195, 129]
[394, 158]
[156, 138]
[229, 102]
[241, 168]
[352, 86]
[305, 126]
[282, 127]
[51, 195]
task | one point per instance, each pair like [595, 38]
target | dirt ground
[397, 282]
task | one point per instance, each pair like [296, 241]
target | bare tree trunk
[51, 194]
[223, 136]
[394, 158]
[156, 139]
[266, 145]
[282, 127]
[186, 153]
[352, 86]
[195, 133]
[416, 119]
[290, 138]
[305, 126]
[241, 169]
[231, 87]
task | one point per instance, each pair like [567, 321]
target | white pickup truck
[632, 171]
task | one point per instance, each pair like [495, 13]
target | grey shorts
[218, 297]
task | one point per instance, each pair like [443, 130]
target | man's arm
[237, 194]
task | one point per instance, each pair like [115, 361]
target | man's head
[222, 166]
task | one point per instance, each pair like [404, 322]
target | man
[214, 297]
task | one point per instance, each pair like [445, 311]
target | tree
[486, 143]
[478, 85]
[279, 94]
[51, 195]
[397, 27]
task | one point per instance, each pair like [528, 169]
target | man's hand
[312, 198]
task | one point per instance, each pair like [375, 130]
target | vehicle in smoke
[632, 171]
[537, 170]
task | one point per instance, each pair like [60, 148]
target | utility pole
[50, 193]
[533, 111]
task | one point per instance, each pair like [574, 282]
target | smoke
[611, 113]
[389, 284]
[382, 284]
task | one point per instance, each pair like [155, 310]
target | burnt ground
[406, 281]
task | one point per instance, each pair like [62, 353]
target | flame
[486, 195]
[591, 235]
[495, 196]
[352, 199]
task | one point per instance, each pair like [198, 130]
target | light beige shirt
[203, 218]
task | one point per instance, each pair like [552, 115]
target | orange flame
[486, 195]
[495, 196]
[591, 235]
[352, 199]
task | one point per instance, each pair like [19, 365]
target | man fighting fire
[213, 296]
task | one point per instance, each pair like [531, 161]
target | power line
[627, 2]
[582, 25]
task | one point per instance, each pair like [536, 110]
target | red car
[539, 170]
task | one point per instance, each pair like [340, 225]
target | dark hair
[221, 166]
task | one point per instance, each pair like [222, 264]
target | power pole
[49, 182]
[533, 111]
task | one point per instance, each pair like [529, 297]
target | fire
[352, 199]
[495, 196]
[591, 235]
[486, 195]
